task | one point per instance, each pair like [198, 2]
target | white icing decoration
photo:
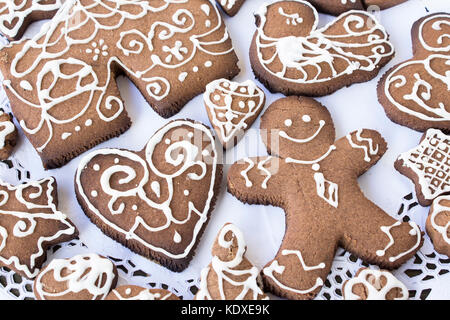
[275, 267]
[438, 208]
[25, 85]
[325, 155]
[375, 291]
[327, 190]
[283, 134]
[183, 161]
[78, 279]
[415, 231]
[176, 237]
[228, 4]
[144, 294]
[6, 128]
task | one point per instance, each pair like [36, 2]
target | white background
[351, 108]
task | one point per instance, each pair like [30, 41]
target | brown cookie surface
[230, 7]
[8, 135]
[82, 277]
[61, 84]
[371, 284]
[232, 108]
[336, 7]
[415, 93]
[427, 166]
[15, 16]
[30, 224]
[314, 179]
[438, 224]
[230, 275]
[291, 55]
[156, 201]
[130, 292]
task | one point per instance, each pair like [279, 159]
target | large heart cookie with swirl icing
[155, 201]
[416, 92]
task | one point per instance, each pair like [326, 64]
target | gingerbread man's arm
[258, 180]
[359, 150]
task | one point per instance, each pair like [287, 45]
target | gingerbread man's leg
[375, 236]
[304, 260]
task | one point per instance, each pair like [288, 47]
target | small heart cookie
[232, 108]
[156, 201]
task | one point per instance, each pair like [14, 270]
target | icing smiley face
[305, 132]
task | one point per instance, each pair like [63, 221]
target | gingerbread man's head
[297, 127]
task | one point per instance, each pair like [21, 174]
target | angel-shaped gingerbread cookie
[314, 179]
[230, 276]
[416, 92]
[291, 55]
[61, 83]
[16, 15]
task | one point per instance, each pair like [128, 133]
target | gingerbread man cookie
[291, 55]
[428, 166]
[314, 179]
[438, 224]
[30, 224]
[8, 135]
[83, 277]
[16, 15]
[62, 86]
[156, 201]
[336, 7]
[230, 276]
[232, 108]
[230, 7]
[371, 284]
[416, 92]
[138, 293]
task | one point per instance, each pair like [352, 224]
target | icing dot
[306, 118]
[128, 291]
[186, 192]
[96, 167]
[205, 153]
[77, 128]
[167, 141]
[242, 104]
[251, 104]
[88, 122]
[134, 207]
[26, 85]
[195, 69]
[243, 90]
[207, 23]
[176, 237]
[116, 160]
[190, 134]
[65, 135]
[316, 167]
[208, 64]
[217, 97]
[94, 193]
[182, 76]
[288, 122]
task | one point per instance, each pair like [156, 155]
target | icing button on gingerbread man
[314, 179]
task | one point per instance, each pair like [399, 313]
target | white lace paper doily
[426, 275]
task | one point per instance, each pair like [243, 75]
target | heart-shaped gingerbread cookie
[156, 201]
[232, 108]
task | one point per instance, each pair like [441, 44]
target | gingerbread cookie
[62, 86]
[291, 55]
[156, 201]
[438, 224]
[83, 277]
[416, 92]
[230, 276]
[314, 179]
[230, 7]
[8, 135]
[139, 293]
[232, 108]
[30, 224]
[371, 284]
[15, 16]
[336, 7]
[428, 166]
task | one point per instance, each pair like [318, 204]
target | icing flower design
[98, 49]
[177, 51]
